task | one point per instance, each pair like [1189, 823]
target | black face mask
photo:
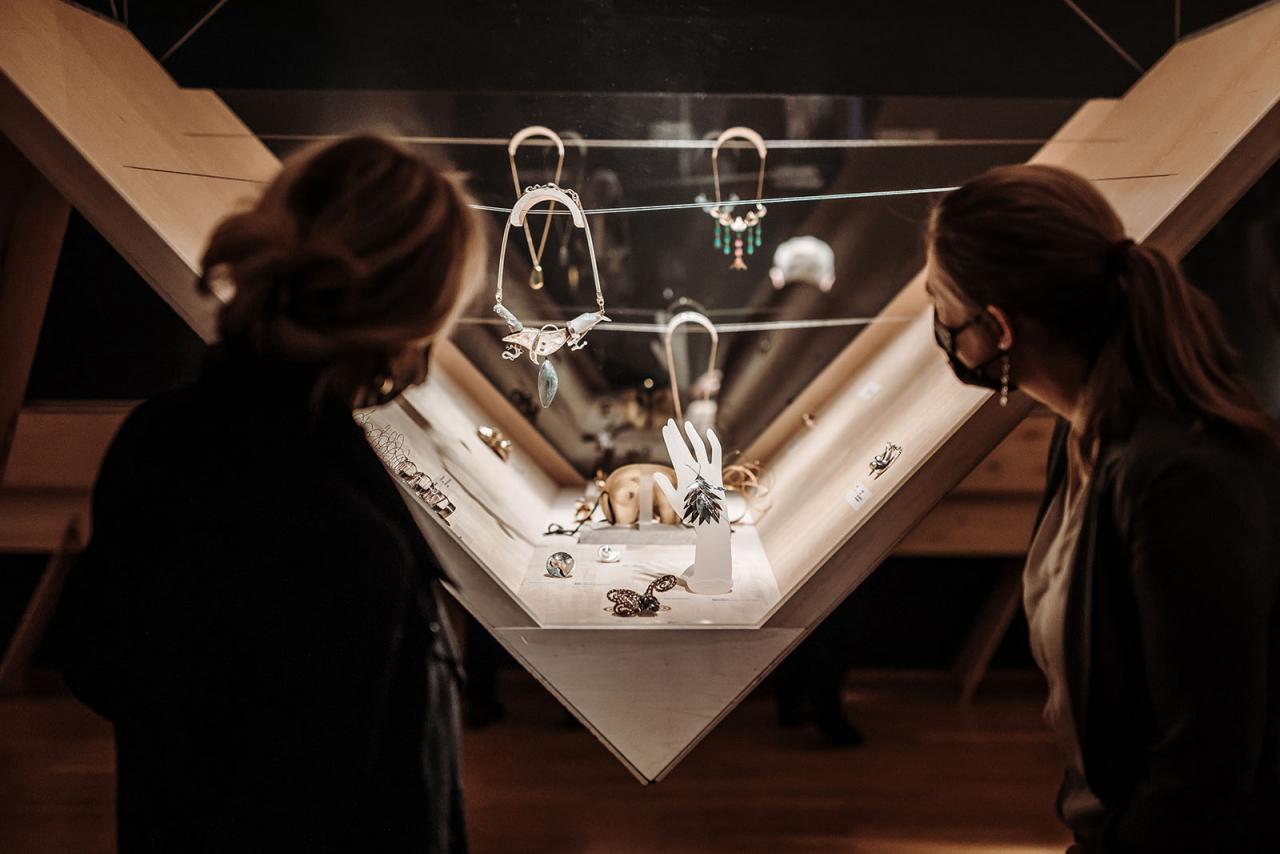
[977, 374]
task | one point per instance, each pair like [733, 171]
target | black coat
[1172, 639]
[255, 615]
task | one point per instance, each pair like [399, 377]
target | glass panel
[654, 151]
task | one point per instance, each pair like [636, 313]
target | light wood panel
[649, 702]
[106, 125]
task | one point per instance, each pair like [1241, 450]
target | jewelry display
[589, 500]
[389, 445]
[495, 441]
[628, 603]
[734, 231]
[701, 504]
[580, 520]
[748, 481]
[608, 554]
[702, 411]
[803, 260]
[620, 498]
[536, 279]
[566, 253]
[541, 343]
[881, 461]
[560, 565]
[701, 477]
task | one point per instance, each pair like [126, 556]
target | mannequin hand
[689, 465]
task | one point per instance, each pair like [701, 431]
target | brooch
[628, 603]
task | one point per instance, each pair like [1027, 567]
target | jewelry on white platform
[541, 343]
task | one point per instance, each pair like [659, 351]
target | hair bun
[316, 283]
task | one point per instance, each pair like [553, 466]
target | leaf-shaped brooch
[701, 504]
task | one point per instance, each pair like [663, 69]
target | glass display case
[828, 375]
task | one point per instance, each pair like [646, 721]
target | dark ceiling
[968, 48]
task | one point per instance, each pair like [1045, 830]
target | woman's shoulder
[1169, 447]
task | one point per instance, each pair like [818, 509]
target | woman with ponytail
[256, 611]
[1153, 580]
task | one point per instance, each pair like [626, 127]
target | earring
[1004, 380]
[733, 233]
[536, 279]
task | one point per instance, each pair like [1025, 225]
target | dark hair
[354, 258]
[1040, 241]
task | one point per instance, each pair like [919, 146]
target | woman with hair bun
[1152, 586]
[255, 612]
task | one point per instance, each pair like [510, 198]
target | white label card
[858, 496]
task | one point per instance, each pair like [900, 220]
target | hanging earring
[536, 279]
[736, 233]
[541, 343]
[701, 504]
[1004, 380]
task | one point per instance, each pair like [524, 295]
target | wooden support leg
[988, 630]
[35, 620]
[33, 221]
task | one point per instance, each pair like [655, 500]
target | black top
[1172, 639]
[254, 614]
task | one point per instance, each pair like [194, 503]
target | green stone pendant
[535, 279]
[548, 383]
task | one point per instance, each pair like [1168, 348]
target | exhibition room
[640, 426]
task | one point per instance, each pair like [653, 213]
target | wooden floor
[933, 778]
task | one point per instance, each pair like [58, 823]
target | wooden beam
[110, 129]
[60, 445]
[35, 520]
[33, 221]
[35, 619]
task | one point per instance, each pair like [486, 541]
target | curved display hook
[750, 136]
[535, 276]
[673, 324]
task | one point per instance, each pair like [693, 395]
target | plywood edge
[870, 539]
[649, 697]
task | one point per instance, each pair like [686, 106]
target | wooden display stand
[87, 105]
